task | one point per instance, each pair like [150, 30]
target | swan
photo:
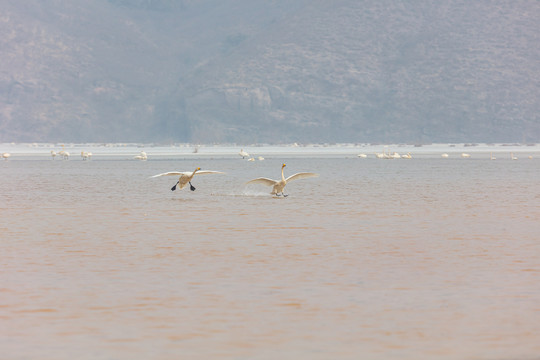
[141, 156]
[513, 157]
[406, 156]
[260, 158]
[279, 185]
[363, 156]
[53, 154]
[64, 155]
[6, 155]
[465, 155]
[445, 155]
[243, 154]
[185, 177]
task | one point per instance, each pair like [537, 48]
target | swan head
[282, 166]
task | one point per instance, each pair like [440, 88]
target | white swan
[445, 155]
[53, 154]
[6, 155]
[185, 177]
[64, 154]
[465, 155]
[141, 156]
[279, 185]
[406, 156]
[513, 157]
[243, 154]
[363, 156]
[85, 155]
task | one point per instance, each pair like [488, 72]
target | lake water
[428, 258]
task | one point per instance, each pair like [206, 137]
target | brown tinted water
[375, 259]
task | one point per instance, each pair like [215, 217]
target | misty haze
[269, 71]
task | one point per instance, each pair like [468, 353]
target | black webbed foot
[191, 187]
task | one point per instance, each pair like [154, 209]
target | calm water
[427, 258]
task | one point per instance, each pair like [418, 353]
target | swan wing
[204, 172]
[173, 173]
[264, 181]
[301, 175]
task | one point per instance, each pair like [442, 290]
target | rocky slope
[269, 71]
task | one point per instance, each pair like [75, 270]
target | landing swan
[279, 185]
[185, 177]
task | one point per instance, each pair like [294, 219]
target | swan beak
[283, 165]
[198, 168]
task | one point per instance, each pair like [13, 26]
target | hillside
[269, 71]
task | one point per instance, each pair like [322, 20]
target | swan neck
[282, 176]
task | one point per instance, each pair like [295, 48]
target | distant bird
[251, 159]
[53, 154]
[85, 155]
[363, 156]
[260, 158]
[465, 155]
[64, 154]
[445, 155]
[185, 177]
[407, 156]
[279, 185]
[491, 157]
[513, 157]
[142, 156]
[6, 155]
[243, 154]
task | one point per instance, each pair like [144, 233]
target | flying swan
[279, 185]
[186, 176]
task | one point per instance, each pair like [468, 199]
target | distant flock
[278, 186]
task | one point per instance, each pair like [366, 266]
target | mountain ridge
[256, 71]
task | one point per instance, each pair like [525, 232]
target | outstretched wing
[204, 172]
[301, 175]
[264, 181]
[172, 173]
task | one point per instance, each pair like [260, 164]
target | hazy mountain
[269, 71]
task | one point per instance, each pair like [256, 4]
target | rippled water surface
[427, 258]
